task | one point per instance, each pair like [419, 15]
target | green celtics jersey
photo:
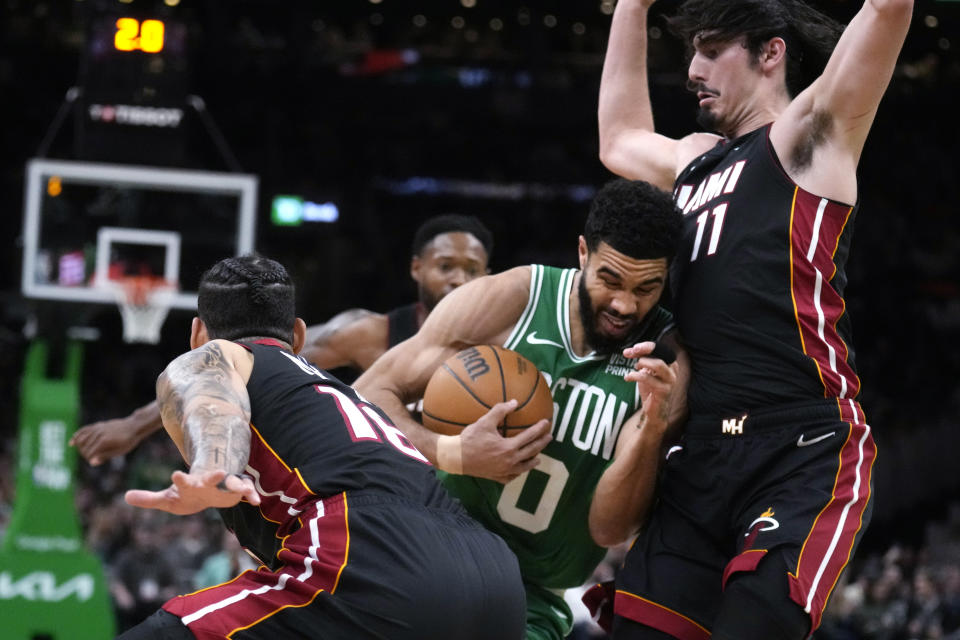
[542, 514]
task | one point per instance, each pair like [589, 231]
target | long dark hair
[810, 35]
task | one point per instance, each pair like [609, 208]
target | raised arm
[205, 408]
[821, 135]
[629, 144]
[480, 312]
[353, 338]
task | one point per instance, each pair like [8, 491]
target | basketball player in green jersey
[532, 489]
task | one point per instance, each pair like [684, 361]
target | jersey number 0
[539, 519]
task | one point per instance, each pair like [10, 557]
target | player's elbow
[611, 155]
[366, 384]
[902, 9]
[377, 386]
[622, 155]
[607, 530]
[608, 536]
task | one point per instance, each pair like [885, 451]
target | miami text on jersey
[711, 187]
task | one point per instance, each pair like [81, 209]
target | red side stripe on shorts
[314, 558]
[851, 411]
[828, 546]
[816, 226]
[657, 616]
[747, 561]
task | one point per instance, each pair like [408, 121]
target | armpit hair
[818, 127]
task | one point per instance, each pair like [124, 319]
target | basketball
[470, 382]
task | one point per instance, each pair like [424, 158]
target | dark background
[399, 110]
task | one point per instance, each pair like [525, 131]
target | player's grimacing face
[446, 262]
[616, 293]
[721, 74]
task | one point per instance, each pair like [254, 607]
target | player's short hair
[635, 218]
[247, 296]
[451, 223]
[809, 34]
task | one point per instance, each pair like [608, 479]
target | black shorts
[370, 566]
[793, 482]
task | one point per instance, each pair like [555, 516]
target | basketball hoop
[144, 302]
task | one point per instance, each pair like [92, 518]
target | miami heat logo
[766, 522]
[765, 518]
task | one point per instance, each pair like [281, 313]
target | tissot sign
[134, 115]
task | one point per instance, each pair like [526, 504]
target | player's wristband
[449, 456]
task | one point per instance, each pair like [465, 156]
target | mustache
[617, 315]
[698, 87]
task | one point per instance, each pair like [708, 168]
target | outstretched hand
[100, 441]
[488, 454]
[196, 491]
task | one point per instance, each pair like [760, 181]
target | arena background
[395, 111]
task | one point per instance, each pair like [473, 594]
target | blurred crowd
[902, 593]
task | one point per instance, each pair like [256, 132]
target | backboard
[88, 222]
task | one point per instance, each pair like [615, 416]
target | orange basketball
[470, 382]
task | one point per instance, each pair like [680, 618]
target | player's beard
[427, 299]
[600, 342]
[705, 118]
[708, 120]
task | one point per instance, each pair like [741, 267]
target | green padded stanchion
[51, 586]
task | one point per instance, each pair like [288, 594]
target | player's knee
[757, 604]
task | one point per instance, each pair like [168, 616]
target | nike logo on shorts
[806, 443]
[533, 339]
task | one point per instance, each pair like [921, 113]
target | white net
[144, 304]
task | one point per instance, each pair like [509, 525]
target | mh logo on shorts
[734, 426]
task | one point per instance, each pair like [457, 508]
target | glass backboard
[86, 223]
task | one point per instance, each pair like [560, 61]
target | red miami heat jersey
[758, 283]
[313, 437]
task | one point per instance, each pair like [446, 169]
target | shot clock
[134, 77]
[145, 35]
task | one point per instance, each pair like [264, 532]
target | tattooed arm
[205, 408]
